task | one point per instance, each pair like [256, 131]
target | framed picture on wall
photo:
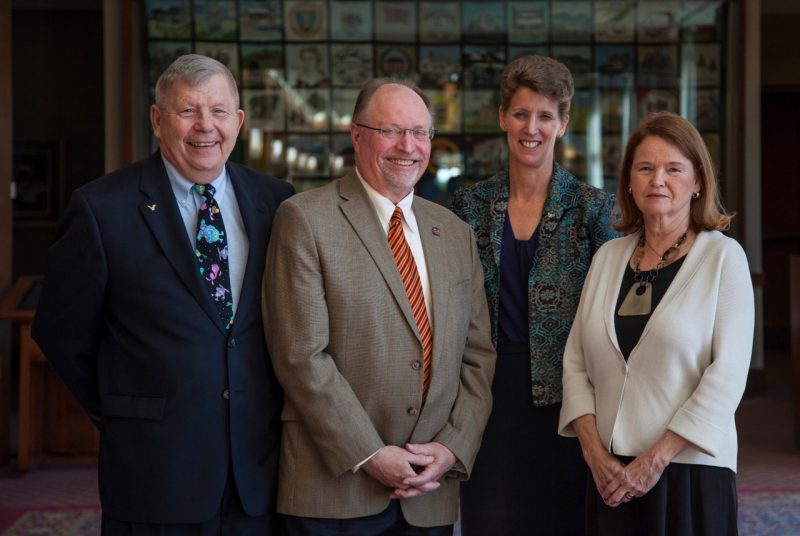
[439, 22]
[38, 174]
[215, 20]
[306, 20]
[707, 109]
[701, 20]
[308, 156]
[528, 22]
[485, 155]
[168, 19]
[578, 59]
[483, 65]
[262, 65]
[483, 22]
[658, 21]
[656, 100]
[353, 64]
[571, 22]
[704, 60]
[614, 65]
[614, 21]
[343, 101]
[344, 156]
[396, 21]
[264, 109]
[439, 65]
[396, 61]
[308, 66]
[446, 105]
[308, 110]
[658, 66]
[351, 21]
[260, 20]
[480, 110]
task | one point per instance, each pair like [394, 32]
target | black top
[516, 259]
[629, 328]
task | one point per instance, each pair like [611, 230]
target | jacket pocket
[135, 407]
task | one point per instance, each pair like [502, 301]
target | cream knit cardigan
[688, 371]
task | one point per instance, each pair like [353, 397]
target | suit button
[415, 365]
[226, 394]
[232, 342]
[413, 412]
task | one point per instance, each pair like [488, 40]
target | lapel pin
[152, 207]
[435, 231]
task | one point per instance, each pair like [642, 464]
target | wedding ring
[629, 495]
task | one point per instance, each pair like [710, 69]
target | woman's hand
[639, 476]
[603, 465]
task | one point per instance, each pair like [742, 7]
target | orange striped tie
[408, 271]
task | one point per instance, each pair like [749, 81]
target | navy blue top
[516, 259]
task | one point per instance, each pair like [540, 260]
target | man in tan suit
[379, 425]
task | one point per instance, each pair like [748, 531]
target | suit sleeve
[473, 404]
[69, 315]
[296, 327]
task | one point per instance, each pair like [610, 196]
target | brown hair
[369, 88]
[706, 212]
[541, 74]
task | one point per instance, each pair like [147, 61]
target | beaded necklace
[639, 299]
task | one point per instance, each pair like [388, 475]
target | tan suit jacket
[346, 349]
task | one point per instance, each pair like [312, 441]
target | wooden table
[50, 421]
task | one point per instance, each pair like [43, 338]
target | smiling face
[196, 127]
[662, 181]
[392, 167]
[532, 126]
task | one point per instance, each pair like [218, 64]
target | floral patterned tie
[211, 252]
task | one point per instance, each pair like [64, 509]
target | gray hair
[193, 70]
[371, 86]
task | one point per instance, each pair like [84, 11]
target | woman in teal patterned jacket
[537, 228]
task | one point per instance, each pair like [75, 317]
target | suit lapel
[160, 212]
[358, 210]
[252, 218]
[433, 237]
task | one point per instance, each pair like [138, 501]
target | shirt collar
[384, 207]
[183, 186]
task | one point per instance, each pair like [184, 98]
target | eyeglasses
[393, 133]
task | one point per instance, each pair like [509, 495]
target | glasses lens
[391, 133]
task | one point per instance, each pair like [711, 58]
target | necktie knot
[205, 190]
[397, 215]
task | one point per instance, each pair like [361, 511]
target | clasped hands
[618, 483]
[410, 471]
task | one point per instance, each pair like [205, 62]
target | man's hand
[392, 466]
[428, 479]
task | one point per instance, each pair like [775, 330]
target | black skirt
[527, 480]
[688, 499]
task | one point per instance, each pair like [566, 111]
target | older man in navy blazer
[151, 314]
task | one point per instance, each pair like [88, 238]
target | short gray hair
[193, 70]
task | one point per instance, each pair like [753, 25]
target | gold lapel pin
[152, 207]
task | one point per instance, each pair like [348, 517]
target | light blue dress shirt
[189, 203]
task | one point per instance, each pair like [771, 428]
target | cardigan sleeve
[705, 418]
[579, 397]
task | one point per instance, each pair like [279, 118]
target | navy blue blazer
[126, 321]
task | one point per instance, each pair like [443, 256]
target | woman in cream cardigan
[657, 358]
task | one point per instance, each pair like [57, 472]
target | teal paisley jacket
[576, 221]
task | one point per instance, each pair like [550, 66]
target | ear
[155, 120]
[564, 123]
[355, 135]
[239, 119]
[501, 118]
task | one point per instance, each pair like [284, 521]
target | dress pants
[390, 522]
[230, 520]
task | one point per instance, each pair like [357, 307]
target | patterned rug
[769, 512]
[761, 513]
[66, 521]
